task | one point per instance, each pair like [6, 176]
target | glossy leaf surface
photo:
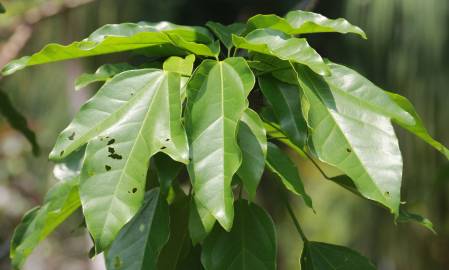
[122, 37]
[323, 256]
[285, 102]
[183, 66]
[252, 140]
[217, 98]
[139, 243]
[281, 165]
[359, 142]
[60, 202]
[145, 120]
[251, 244]
[282, 46]
[304, 22]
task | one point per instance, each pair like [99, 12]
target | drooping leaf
[201, 222]
[61, 201]
[103, 73]
[251, 244]
[17, 121]
[124, 37]
[179, 245]
[131, 118]
[70, 167]
[252, 140]
[304, 22]
[183, 66]
[285, 102]
[167, 170]
[280, 164]
[224, 32]
[323, 256]
[358, 141]
[405, 216]
[217, 99]
[282, 46]
[139, 243]
[417, 127]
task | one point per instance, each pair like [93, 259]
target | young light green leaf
[281, 165]
[145, 120]
[251, 244]
[323, 256]
[252, 140]
[284, 100]
[201, 222]
[304, 22]
[358, 141]
[183, 66]
[418, 127]
[61, 201]
[139, 243]
[179, 244]
[217, 98]
[103, 73]
[17, 121]
[122, 37]
[282, 46]
[224, 32]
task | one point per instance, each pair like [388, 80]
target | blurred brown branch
[22, 28]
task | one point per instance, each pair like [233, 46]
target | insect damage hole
[111, 141]
[107, 167]
[72, 136]
[348, 150]
[134, 190]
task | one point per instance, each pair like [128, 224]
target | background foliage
[406, 52]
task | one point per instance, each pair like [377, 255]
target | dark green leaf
[405, 216]
[417, 127]
[167, 170]
[139, 243]
[280, 164]
[17, 121]
[123, 37]
[323, 256]
[252, 140]
[61, 201]
[282, 46]
[217, 98]
[285, 102]
[132, 117]
[103, 73]
[251, 244]
[225, 32]
[2, 9]
[358, 141]
[201, 222]
[303, 22]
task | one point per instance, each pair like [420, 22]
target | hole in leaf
[115, 156]
[107, 167]
[72, 136]
[348, 150]
[62, 153]
[167, 140]
[387, 193]
[163, 147]
[111, 150]
[134, 190]
[111, 141]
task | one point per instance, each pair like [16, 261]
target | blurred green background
[407, 52]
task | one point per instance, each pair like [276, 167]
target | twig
[293, 217]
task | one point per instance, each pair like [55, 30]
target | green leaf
[251, 244]
[405, 216]
[123, 37]
[323, 256]
[417, 127]
[70, 167]
[281, 165]
[358, 141]
[167, 170]
[139, 243]
[17, 121]
[201, 222]
[284, 100]
[2, 9]
[252, 140]
[183, 66]
[303, 22]
[179, 245]
[217, 98]
[282, 46]
[103, 73]
[134, 116]
[61, 201]
[224, 32]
